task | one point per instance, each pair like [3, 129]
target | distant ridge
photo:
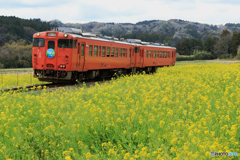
[174, 28]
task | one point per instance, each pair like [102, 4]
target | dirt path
[223, 61]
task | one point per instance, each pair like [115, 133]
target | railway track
[54, 85]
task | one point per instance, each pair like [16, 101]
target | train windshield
[65, 43]
[38, 42]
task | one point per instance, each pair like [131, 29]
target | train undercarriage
[70, 76]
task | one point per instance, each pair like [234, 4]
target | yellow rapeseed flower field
[17, 79]
[181, 112]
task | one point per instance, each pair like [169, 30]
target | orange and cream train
[69, 55]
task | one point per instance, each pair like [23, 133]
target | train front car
[51, 56]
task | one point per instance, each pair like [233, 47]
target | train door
[132, 59]
[137, 57]
[78, 56]
[82, 55]
[141, 57]
[51, 55]
[173, 57]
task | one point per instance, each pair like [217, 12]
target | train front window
[51, 44]
[38, 42]
[65, 43]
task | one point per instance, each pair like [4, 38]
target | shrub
[197, 55]
[224, 56]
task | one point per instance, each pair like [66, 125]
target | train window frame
[160, 54]
[50, 46]
[112, 51]
[103, 51]
[116, 52]
[90, 50]
[157, 54]
[99, 51]
[154, 54]
[168, 54]
[136, 49]
[82, 49]
[130, 52]
[62, 42]
[147, 54]
[120, 52]
[108, 51]
[123, 52]
[38, 42]
[74, 43]
[95, 51]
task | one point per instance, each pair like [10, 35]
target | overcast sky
[124, 11]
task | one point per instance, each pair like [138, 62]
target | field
[16, 78]
[180, 112]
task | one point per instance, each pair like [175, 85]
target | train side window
[103, 51]
[99, 51]
[108, 51]
[136, 49]
[165, 54]
[130, 51]
[147, 54]
[116, 52]
[160, 54]
[82, 49]
[157, 54]
[90, 50]
[123, 52]
[154, 54]
[95, 51]
[51, 44]
[112, 52]
[168, 54]
[120, 52]
[65, 43]
[75, 43]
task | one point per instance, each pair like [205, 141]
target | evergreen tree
[235, 43]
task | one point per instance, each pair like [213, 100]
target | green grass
[15, 70]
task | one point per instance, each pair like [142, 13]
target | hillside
[13, 28]
[173, 29]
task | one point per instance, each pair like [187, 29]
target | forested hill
[13, 28]
[171, 31]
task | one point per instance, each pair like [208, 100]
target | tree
[224, 33]
[209, 44]
[222, 45]
[16, 54]
[235, 43]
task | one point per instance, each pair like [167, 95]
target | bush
[203, 56]
[238, 53]
[224, 56]
[197, 55]
[185, 58]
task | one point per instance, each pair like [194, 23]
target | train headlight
[65, 35]
[38, 34]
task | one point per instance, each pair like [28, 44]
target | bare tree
[222, 45]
